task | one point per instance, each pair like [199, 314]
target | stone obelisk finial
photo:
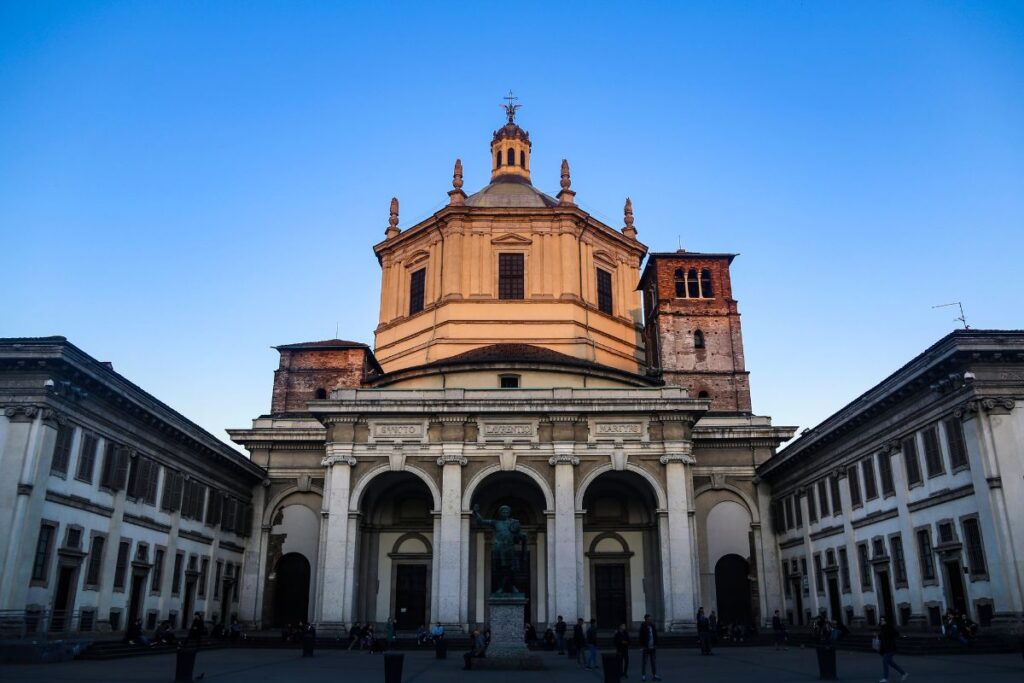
[628, 230]
[456, 196]
[392, 220]
[565, 197]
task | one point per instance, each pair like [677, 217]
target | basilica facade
[530, 355]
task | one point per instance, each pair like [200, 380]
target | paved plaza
[763, 665]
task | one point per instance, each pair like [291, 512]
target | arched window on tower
[703, 394]
[698, 340]
[511, 160]
[522, 158]
[497, 159]
[321, 394]
[692, 286]
[680, 283]
[705, 284]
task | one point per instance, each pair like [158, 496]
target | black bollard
[393, 668]
[308, 642]
[440, 649]
[612, 665]
[826, 662]
[185, 663]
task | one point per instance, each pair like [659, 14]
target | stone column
[564, 554]
[768, 562]
[335, 571]
[254, 565]
[452, 584]
[28, 448]
[677, 555]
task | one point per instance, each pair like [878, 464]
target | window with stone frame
[511, 272]
[867, 466]
[823, 498]
[179, 562]
[885, 474]
[204, 575]
[174, 483]
[692, 284]
[87, 458]
[853, 479]
[798, 514]
[114, 473]
[95, 565]
[216, 579]
[932, 453]
[142, 479]
[973, 545]
[911, 461]
[844, 569]
[819, 574]
[121, 567]
[837, 501]
[214, 507]
[62, 449]
[864, 564]
[417, 289]
[957, 445]
[604, 291]
[812, 506]
[899, 562]
[926, 554]
[44, 551]
[158, 571]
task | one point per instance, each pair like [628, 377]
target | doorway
[732, 590]
[291, 591]
[955, 587]
[833, 598]
[136, 596]
[610, 595]
[798, 594]
[410, 596]
[64, 598]
[189, 602]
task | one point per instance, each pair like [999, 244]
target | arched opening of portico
[622, 560]
[394, 551]
[526, 500]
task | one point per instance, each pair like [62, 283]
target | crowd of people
[165, 633]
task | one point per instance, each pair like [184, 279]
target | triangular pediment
[511, 238]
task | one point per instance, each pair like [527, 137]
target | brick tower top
[692, 327]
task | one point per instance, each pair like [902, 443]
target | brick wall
[671, 326]
[303, 371]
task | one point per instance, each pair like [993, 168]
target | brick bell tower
[692, 328]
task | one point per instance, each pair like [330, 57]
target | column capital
[678, 451]
[339, 454]
[21, 412]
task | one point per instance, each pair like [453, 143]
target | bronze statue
[504, 558]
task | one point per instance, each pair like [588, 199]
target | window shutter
[62, 449]
[120, 474]
[957, 446]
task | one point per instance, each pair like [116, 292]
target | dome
[510, 192]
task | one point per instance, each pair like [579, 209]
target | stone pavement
[757, 664]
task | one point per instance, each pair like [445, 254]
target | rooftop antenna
[337, 329]
[679, 241]
[962, 318]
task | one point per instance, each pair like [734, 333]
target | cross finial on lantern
[511, 107]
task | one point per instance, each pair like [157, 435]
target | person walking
[703, 632]
[579, 640]
[887, 635]
[355, 635]
[621, 640]
[560, 628]
[649, 649]
[779, 631]
[713, 624]
[592, 644]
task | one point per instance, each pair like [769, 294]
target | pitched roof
[324, 344]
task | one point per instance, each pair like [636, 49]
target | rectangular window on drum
[604, 291]
[417, 283]
[510, 276]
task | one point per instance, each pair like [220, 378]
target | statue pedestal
[507, 649]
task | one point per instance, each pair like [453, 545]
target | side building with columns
[115, 506]
[907, 502]
[526, 355]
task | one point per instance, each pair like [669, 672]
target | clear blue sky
[183, 185]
